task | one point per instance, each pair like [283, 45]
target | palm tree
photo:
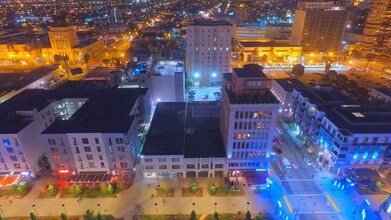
[369, 57]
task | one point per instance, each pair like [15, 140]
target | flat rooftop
[384, 90]
[105, 111]
[192, 130]
[319, 96]
[266, 44]
[208, 22]
[262, 96]
[351, 119]
[85, 43]
[249, 70]
[14, 81]
[167, 130]
[290, 84]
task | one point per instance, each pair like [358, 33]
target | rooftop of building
[203, 138]
[167, 130]
[14, 81]
[354, 119]
[261, 96]
[290, 84]
[105, 111]
[258, 24]
[20, 38]
[319, 96]
[281, 43]
[85, 43]
[249, 70]
[191, 130]
[386, 91]
[208, 22]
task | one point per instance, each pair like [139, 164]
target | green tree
[99, 216]
[86, 58]
[194, 188]
[33, 216]
[189, 82]
[105, 61]
[193, 215]
[216, 216]
[52, 190]
[212, 189]
[77, 190]
[248, 215]
[255, 52]
[110, 189]
[63, 216]
[57, 58]
[355, 54]
[88, 215]
[298, 69]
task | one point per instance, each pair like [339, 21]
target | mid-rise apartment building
[64, 42]
[184, 141]
[342, 134]
[256, 31]
[377, 35]
[79, 130]
[319, 26]
[283, 89]
[248, 117]
[208, 49]
[381, 94]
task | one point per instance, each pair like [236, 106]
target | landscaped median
[15, 191]
[222, 191]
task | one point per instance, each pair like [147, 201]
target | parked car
[192, 91]
[217, 93]
[306, 161]
[205, 96]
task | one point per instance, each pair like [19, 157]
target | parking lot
[203, 94]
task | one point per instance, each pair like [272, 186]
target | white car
[306, 161]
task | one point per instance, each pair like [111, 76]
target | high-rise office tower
[248, 117]
[377, 32]
[63, 37]
[116, 16]
[208, 48]
[243, 11]
[319, 26]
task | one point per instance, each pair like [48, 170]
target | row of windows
[252, 135]
[122, 165]
[163, 167]
[252, 125]
[16, 166]
[253, 114]
[7, 142]
[249, 145]
[248, 155]
[13, 158]
[87, 141]
[189, 166]
[261, 164]
[161, 160]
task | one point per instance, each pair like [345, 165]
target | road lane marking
[288, 204]
[332, 203]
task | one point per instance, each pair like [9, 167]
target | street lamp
[298, 207]
[2, 212]
[157, 213]
[248, 203]
[63, 206]
[35, 209]
[193, 205]
[98, 207]
[215, 206]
